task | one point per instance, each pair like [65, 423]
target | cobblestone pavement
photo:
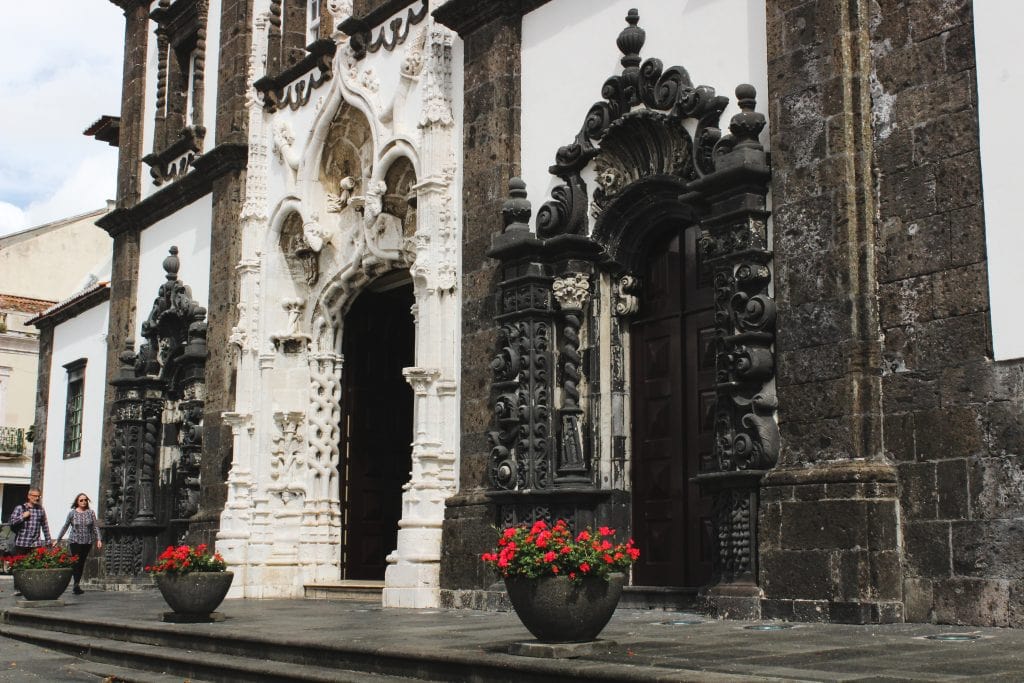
[677, 645]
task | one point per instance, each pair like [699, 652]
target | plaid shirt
[28, 530]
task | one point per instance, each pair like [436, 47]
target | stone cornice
[277, 94]
[218, 161]
[466, 16]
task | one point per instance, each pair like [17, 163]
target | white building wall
[83, 336]
[210, 75]
[189, 230]
[149, 111]
[721, 44]
[1000, 91]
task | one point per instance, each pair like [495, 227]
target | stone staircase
[348, 589]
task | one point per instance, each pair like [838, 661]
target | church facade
[403, 271]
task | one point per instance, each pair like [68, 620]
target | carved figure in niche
[384, 233]
[337, 202]
[284, 146]
[316, 237]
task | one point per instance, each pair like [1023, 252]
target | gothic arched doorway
[376, 422]
[673, 399]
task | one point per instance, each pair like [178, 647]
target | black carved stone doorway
[673, 401]
[376, 428]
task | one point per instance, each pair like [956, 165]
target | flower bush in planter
[44, 573]
[533, 551]
[45, 558]
[563, 587]
[192, 580]
[185, 559]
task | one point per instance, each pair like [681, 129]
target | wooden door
[376, 427]
[672, 387]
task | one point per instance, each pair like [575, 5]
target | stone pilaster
[833, 482]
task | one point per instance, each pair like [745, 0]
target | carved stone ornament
[291, 340]
[388, 37]
[157, 391]
[572, 291]
[646, 164]
[626, 300]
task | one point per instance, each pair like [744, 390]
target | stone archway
[561, 441]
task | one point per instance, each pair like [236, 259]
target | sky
[59, 72]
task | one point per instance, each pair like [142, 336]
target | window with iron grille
[73, 412]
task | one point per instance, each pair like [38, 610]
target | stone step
[173, 663]
[658, 597]
[349, 589]
[215, 653]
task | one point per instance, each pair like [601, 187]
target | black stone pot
[195, 593]
[557, 609]
[42, 584]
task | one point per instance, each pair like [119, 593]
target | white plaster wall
[189, 230]
[210, 74]
[1000, 98]
[149, 111]
[569, 51]
[83, 336]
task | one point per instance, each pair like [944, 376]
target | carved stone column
[734, 245]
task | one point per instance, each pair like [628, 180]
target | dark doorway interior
[377, 413]
[673, 401]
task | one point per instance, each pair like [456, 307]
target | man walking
[27, 520]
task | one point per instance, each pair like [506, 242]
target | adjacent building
[38, 267]
[387, 274]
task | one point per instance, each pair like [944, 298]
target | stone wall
[883, 312]
[954, 419]
[491, 156]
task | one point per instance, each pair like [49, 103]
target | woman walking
[84, 530]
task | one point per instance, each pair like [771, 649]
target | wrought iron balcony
[12, 442]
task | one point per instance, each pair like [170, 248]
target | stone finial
[516, 210]
[748, 124]
[631, 40]
[127, 355]
[171, 264]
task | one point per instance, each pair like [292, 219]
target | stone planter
[556, 609]
[195, 594]
[42, 584]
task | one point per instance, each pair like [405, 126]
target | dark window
[73, 412]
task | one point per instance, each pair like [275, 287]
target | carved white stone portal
[355, 183]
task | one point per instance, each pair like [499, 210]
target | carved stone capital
[572, 291]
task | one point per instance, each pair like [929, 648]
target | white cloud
[53, 90]
[12, 219]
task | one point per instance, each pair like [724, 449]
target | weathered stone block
[979, 602]
[988, 549]
[917, 490]
[946, 136]
[997, 487]
[911, 244]
[981, 381]
[885, 575]
[951, 486]
[882, 522]
[824, 524]
[926, 549]
[1004, 428]
[797, 574]
[809, 365]
[953, 432]
[928, 19]
[958, 181]
[918, 599]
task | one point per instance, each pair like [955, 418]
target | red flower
[605, 531]
[550, 556]
[584, 567]
[583, 536]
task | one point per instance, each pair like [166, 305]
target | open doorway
[376, 423]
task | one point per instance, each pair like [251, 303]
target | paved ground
[671, 643]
